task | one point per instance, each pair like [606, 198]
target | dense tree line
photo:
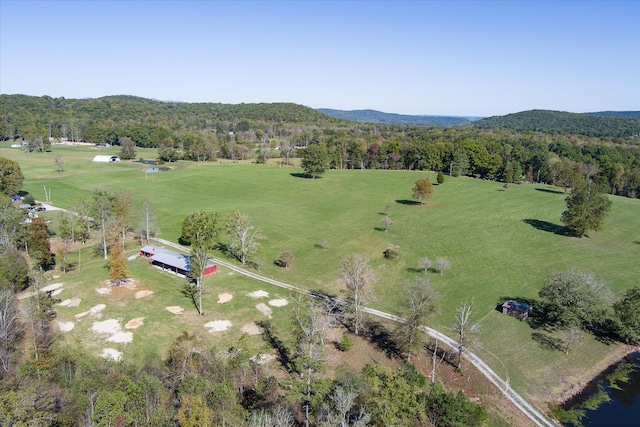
[206, 131]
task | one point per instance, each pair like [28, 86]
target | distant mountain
[606, 124]
[373, 116]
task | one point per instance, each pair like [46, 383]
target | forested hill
[559, 122]
[620, 114]
[122, 109]
[373, 116]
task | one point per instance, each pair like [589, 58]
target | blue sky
[466, 58]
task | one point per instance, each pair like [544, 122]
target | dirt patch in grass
[134, 323]
[175, 309]
[224, 297]
[66, 326]
[73, 302]
[111, 353]
[142, 294]
[109, 326]
[93, 311]
[251, 329]
[264, 309]
[218, 325]
[258, 294]
[121, 337]
[278, 302]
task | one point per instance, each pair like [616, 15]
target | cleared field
[501, 244]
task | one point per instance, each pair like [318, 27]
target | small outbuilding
[516, 309]
[102, 158]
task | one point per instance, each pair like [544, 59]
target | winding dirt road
[537, 417]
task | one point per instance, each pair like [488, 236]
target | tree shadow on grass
[548, 227]
[190, 290]
[408, 202]
[550, 190]
[382, 338]
[276, 343]
[547, 342]
[303, 175]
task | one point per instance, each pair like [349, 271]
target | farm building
[172, 261]
[517, 309]
[102, 158]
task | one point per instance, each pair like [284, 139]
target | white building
[101, 158]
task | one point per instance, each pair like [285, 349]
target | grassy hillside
[501, 242]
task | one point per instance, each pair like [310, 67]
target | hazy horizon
[462, 58]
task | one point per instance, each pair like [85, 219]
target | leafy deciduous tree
[576, 297]
[422, 190]
[38, 243]
[118, 270]
[587, 208]
[286, 258]
[315, 160]
[127, 148]
[627, 312]
[11, 177]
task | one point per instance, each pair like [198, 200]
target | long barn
[175, 262]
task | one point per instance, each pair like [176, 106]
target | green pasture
[501, 242]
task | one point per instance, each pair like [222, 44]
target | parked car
[40, 208]
[15, 198]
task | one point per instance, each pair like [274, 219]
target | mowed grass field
[501, 243]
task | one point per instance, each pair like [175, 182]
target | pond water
[613, 398]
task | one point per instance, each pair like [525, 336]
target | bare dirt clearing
[73, 302]
[93, 311]
[264, 309]
[224, 297]
[251, 329]
[258, 294]
[111, 353]
[142, 294]
[175, 309]
[109, 326]
[66, 326]
[112, 326]
[134, 323]
[278, 302]
[218, 325]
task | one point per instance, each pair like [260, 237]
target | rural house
[517, 309]
[172, 261]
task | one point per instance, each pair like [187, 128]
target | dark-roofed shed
[517, 309]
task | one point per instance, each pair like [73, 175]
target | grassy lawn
[501, 244]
